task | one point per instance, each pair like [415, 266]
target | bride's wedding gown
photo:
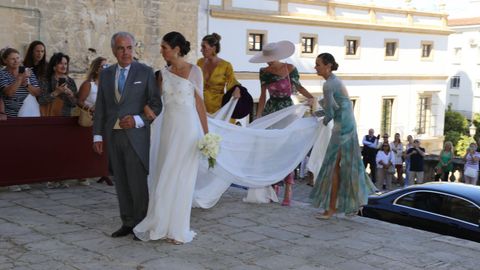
[174, 160]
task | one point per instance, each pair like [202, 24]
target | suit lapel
[111, 88]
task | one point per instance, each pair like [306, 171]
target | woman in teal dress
[445, 165]
[342, 184]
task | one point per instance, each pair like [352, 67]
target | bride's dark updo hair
[213, 40]
[175, 39]
[328, 59]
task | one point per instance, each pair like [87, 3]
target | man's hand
[127, 122]
[98, 147]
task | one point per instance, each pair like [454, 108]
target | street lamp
[472, 129]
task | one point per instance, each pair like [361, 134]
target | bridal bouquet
[209, 146]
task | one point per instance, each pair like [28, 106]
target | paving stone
[6, 266]
[171, 264]
[280, 262]
[246, 267]
[85, 234]
[236, 222]
[315, 267]
[272, 244]
[49, 244]
[248, 237]
[31, 237]
[6, 203]
[348, 265]
[275, 233]
[373, 259]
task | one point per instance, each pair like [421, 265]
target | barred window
[423, 114]
[351, 47]
[308, 44]
[455, 82]
[426, 50]
[255, 42]
[386, 124]
[390, 48]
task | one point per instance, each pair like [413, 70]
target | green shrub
[462, 145]
[455, 121]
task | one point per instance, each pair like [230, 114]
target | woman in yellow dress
[218, 75]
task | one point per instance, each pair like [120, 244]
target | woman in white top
[385, 160]
[472, 158]
[397, 149]
[87, 95]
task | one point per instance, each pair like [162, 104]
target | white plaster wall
[427, 20]
[215, 2]
[270, 5]
[465, 98]
[352, 14]
[391, 18]
[314, 10]
[332, 40]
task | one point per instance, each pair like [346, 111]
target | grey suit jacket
[140, 89]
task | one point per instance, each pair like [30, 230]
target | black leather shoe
[123, 231]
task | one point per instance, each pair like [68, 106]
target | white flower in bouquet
[209, 146]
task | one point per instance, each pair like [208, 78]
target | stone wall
[83, 28]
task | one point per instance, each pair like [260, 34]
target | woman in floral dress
[281, 80]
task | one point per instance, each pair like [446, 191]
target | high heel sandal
[286, 202]
[325, 215]
[173, 241]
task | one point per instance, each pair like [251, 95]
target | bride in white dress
[174, 155]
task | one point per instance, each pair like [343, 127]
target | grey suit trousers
[130, 179]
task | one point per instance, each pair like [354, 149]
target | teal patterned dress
[280, 89]
[354, 183]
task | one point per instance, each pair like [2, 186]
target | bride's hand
[149, 113]
[236, 93]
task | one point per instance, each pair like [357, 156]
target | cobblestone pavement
[70, 228]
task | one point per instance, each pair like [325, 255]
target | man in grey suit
[123, 91]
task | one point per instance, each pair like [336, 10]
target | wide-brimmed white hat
[274, 51]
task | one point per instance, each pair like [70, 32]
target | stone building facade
[83, 28]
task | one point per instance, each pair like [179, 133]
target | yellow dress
[222, 78]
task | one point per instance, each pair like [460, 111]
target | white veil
[255, 156]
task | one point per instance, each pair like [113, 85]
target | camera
[21, 69]
[61, 81]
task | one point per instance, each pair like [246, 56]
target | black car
[440, 207]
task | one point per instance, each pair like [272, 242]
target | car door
[423, 209]
[464, 218]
